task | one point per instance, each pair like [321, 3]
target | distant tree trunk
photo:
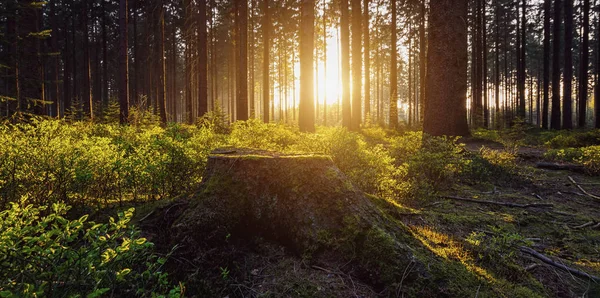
[123, 64]
[497, 65]
[422, 59]
[366, 59]
[162, 84]
[242, 64]
[30, 86]
[484, 67]
[522, 62]
[568, 70]
[393, 73]
[307, 34]
[446, 111]
[356, 65]
[202, 61]
[325, 59]
[597, 87]
[87, 74]
[555, 119]
[251, 44]
[105, 96]
[266, 23]
[66, 70]
[56, 67]
[583, 66]
[137, 56]
[345, 39]
[546, 98]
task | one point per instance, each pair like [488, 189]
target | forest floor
[475, 245]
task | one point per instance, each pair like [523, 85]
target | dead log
[583, 190]
[303, 202]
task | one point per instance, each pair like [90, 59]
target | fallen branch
[583, 190]
[585, 225]
[506, 204]
[549, 261]
[559, 167]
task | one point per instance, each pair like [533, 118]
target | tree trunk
[202, 61]
[266, 23]
[522, 63]
[568, 70]
[123, 64]
[393, 112]
[242, 63]
[446, 111]
[356, 65]
[546, 98]
[307, 34]
[366, 59]
[87, 74]
[422, 59]
[583, 66]
[555, 119]
[345, 40]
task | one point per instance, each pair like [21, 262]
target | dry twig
[583, 190]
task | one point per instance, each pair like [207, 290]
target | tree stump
[303, 202]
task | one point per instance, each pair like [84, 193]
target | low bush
[44, 254]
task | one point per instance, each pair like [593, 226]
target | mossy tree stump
[303, 202]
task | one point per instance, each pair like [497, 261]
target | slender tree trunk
[583, 66]
[123, 62]
[597, 87]
[546, 75]
[422, 59]
[87, 78]
[522, 65]
[162, 84]
[266, 23]
[568, 71]
[202, 61]
[325, 60]
[484, 65]
[446, 111]
[367, 61]
[393, 113]
[356, 65]
[66, 71]
[306, 114]
[345, 39]
[242, 64]
[555, 119]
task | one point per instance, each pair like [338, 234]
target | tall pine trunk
[555, 118]
[568, 71]
[266, 22]
[583, 66]
[446, 111]
[546, 75]
[393, 111]
[307, 28]
[123, 62]
[345, 43]
[356, 64]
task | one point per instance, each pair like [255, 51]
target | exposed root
[583, 190]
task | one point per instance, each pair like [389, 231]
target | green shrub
[44, 254]
[267, 136]
[85, 163]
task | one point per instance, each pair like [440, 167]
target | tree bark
[345, 43]
[583, 66]
[446, 112]
[356, 65]
[366, 59]
[202, 61]
[555, 118]
[307, 109]
[242, 63]
[393, 111]
[546, 75]
[266, 25]
[123, 64]
[568, 70]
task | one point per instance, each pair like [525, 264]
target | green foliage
[44, 254]
[589, 157]
[498, 247]
[85, 163]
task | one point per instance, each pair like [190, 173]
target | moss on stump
[303, 202]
